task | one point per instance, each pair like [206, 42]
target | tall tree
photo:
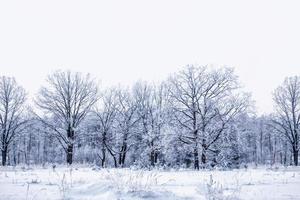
[151, 101]
[12, 105]
[66, 101]
[105, 116]
[127, 120]
[287, 119]
[204, 102]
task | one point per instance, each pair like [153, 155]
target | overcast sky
[124, 41]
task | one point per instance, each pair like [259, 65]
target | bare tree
[105, 119]
[287, 119]
[66, 100]
[12, 104]
[204, 103]
[126, 121]
[151, 101]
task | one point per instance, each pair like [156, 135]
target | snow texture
[92, 183]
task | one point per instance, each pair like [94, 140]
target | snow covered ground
[88, 183]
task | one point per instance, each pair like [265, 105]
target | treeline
[198, 118]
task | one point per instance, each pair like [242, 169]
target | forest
[199, 117]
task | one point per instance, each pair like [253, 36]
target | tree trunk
[122, 155]
[152, 158]
[103, 157]
[123, 158]
[115, 161]
[152, 154]
[261, 147]
[274, 151]
[4, 155]
[70, 154]
[285, 154]
[295, 156]
[203, 155]
[113, 156]
[196, 158]
[155, 157]
[70, 135]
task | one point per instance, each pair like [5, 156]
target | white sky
[124, 41]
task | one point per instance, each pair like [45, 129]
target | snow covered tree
[66, 101]
[151, 101]
[12, 119]
[287, 119]
[105, 116]
[204, 102]
[198, 117]
[127, 120]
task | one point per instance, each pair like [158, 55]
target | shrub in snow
[132, 181]
[216, 191]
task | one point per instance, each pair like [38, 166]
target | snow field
[90, 183]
